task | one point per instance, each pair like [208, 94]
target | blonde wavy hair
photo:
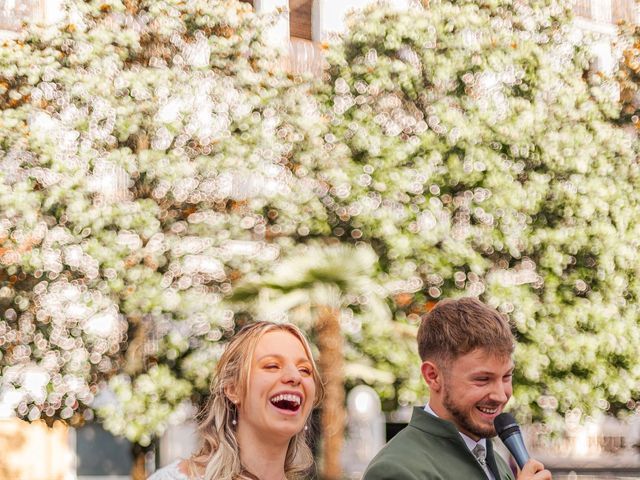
[219, 455]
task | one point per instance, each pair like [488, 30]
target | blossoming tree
[480, 160]
[150, 156]
[153, 156]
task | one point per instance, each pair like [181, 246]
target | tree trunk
[138, 469]
[331, 363]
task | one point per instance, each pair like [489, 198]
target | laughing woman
[255, 423]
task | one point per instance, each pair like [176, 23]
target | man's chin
[481, 430]
[484, 431]
[490, 433]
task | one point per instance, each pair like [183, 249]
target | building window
[582, 8]
[300, 18]
[14, 12]
[624, 11]
[607, 11]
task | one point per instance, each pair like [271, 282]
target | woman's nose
[291, 374]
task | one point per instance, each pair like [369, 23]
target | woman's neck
[264, 459]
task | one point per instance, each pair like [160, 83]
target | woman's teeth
[287, 402]
[287, 397]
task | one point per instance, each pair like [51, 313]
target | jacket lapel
[491, 460]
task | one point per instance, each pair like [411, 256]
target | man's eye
[482, 379]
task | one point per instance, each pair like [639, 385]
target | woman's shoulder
[170, 472]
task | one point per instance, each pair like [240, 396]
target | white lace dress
[170, 472]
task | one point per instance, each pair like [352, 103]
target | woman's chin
[285, 429]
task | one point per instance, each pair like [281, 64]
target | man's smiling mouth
[488, 411]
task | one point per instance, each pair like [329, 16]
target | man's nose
[500, 393]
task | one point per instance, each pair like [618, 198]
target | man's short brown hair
[456, 327]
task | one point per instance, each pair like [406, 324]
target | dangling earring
[234, 420]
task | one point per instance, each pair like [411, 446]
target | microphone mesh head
[505, 424]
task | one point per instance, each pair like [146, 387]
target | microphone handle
[516, 447]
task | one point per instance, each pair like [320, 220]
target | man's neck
[467, 439]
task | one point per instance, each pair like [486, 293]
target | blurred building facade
[13, 14]
[34, 451]
[602, 447]
[304, 25]
[308, 24]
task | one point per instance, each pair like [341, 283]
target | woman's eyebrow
[270, 355]
[280, 357]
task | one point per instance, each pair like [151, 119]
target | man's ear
[432, 375]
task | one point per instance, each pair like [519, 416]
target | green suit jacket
[430, 448]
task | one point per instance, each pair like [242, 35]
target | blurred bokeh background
[173, 169]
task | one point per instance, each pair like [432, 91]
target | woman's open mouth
[287, 401]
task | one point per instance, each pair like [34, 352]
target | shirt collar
[469, 442]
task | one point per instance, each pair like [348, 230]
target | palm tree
[313, 285]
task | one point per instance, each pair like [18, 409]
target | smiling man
[466, 350]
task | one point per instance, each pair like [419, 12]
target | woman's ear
[432, 375]
[230, 393]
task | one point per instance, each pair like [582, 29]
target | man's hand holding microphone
[509, 432]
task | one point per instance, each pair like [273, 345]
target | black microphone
[509, 433]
